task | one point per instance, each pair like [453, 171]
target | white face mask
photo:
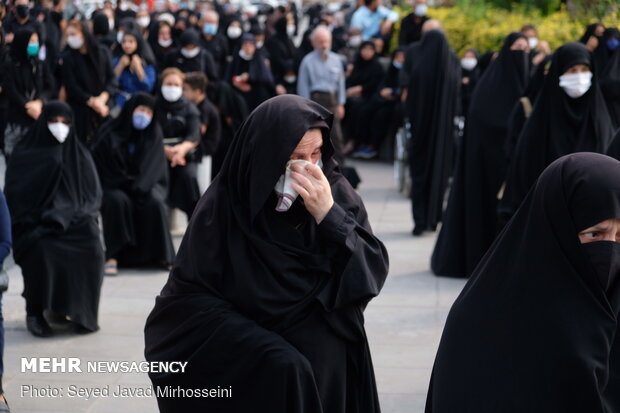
[532, 42]
[259, 44]
[75, 41]
[284, 189]
[190, 53]
[119, 36]
[290, 30]
[172, 93]
[290, 78]
[355, 41]
[244, 55]
[143, 21]
[59, 130]
[420, 10]
[164, 43]
[234, 32]
[577, 84]
[111, 24]
[469, 63]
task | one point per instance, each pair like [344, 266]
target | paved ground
[404, 323]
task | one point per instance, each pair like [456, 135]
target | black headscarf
[282, 50]
[258, 70]
[128, 158]
[508, 72]
[95, 72]
[534, 328]
[431, 106]
[366, 73]
[469, 223]
[237, 247]
[143, 49]
[610, 85]
[590, 31]
[26, 71]
[559, 125]
[64, 175]
[602, 54]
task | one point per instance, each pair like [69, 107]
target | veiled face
[607, 230]
[309, 148]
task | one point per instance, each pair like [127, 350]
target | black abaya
[559, 125]
[55, 231]
[610, 86]
[469, 222]
[134, 175]
[267, 303]
[432, 96]
[85, 76]
[536, 329]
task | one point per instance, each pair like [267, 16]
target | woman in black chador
[132, 167]
[432, 95]
[89, 79]
[54, 197]
[569, 116]
[536, 327]
[469, 222]
[28, 83]
[267, 303]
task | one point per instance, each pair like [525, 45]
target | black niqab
[559, 125]
[535, 329]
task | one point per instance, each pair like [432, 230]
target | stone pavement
[404, 323]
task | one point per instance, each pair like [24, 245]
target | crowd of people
[123, 115]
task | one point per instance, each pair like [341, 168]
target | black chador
[268, 302]
[134, 176]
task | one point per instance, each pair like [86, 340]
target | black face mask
[22, 11]
[605, 257]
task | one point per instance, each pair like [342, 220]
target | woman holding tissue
[268, 289]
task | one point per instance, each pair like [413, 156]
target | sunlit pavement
[404, 323]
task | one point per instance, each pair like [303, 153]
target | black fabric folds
[469, 222]
[610, 85]
[271, 303]
[535, 329]
[559, 125]
[431, 105]
[134, 175]
[55, 232]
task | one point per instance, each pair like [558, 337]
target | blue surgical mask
[32, 49]
[141, 120]
[209, 29]
[397, 65]
[613, 43]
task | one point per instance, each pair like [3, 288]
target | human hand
[386, 93]
[280, 90]
[312, 185]
[354, 91]
[34, 108]
[340, 111]
[124, 61]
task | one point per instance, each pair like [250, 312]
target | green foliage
[473, 24]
